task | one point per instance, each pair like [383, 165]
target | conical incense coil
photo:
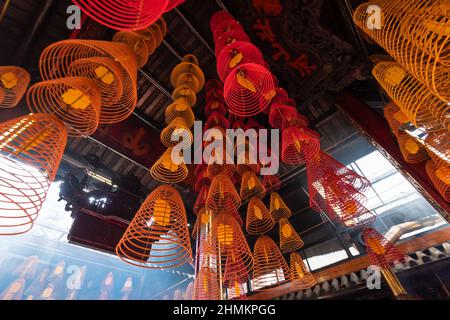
[281, 115]
[123, 14]
[14, 82]
[165, 170]
[222, 196]
[191, 68]
[236, 54]
[217, 119]
[438, 146]
[190, 58]
[76, 101]
[440, 176]
[215, 95]
[224, 26]
[299, 145]
[214, 169]
[395, 118]
[301, 278]
[259, 219]
[203, 179]
[152, 36]
[203, 221]
[177, 128]
[57, 60]
[251, 187]
[213, 84]
[206, 284]
[247, 90]
[157, 237]
[188, 79]
[381, 252]
[228, 38]
[270, 268]
[377, 58]
[271, 183]
[278, 208]
[422, 107]
[218, 17]
[136, 42]
[31, 148]
[412, 149]
[178, 109]
[289, 239]
[201, 199]
[185, 95]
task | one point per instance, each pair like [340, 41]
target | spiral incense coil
[215, 95]
[278, 208]
[162, 25]
[76, 101]
[381, 252]
[377, 58]
[202, 223]
[301, 278]
[185, 95]
[247, 90]
[206, 285]
[191, 68]
[14, 82]
[173, 3]
[213, 84]
[224, 26]
[57, 60]
[136, 42]
[190, 58]
[281, 115]
[222, 196]
[180, 110]
[158, 235]
[259, 219]
[244, 165]
[217, 119]
[189, 80]
[300, 122]
[123, 14]
[152, 39]
[236, 290]
[395, 118]
[200, 202]
[440, 176]
[159, 30]
[413, 150]
[31, 148]
[299, 145]
[271, 183]
[236, 54]
[165, 170]
[218, 17]
[202, 180]
[251, 187]
[177, 127]
[215, 106]
[228, 38]
[233, 270]
[270, 268]
[214, 169]
[438, 146]
[418, 103]
[289, 239]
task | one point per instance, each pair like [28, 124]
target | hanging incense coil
[185, 95]
[289, 239]
[157, 237]
[177, 128]
[251, 187]
[300, 122]
[412, 149]
[31, 148]
[377, 58]
[228, 38]
[165, 170]
[214, 169]
[217, 119]
[236, 290]
[299, 145]
[218, 17]
[233, 267]
[271, 183]
[202, 180]
[224, 26]
[136, 42]
[395, 118]
[278, 208]
[425, 109]
[247, 90]
[381, 252]
[206, 285]
[213, 84]
[189, 80]
[440, 176]
[215, 106]
[270, 268]
[76, 101]
[203, 221]
[259, 219]
[122, 14]
[215, 95]
[201, 199]
[151, 37]
[180, 110]
[14, 82]
[222, 196]
[58, 59]
[301, 278]
[437, 144]
[281, 115]
[190, 68]
[236, 54]
[190, 58]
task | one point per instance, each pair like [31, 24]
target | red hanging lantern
[236, 54]
[228, 38]
[123, 14]
[281, 115]
[381, 252]
[247, 90]
[299, 145]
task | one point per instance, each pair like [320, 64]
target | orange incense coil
[440, 176]
[190, 58]
[217, 119]
[158, 235]
[245, 162]
[299, 145]
[271, 183]
[76, 101]
[136, 42]
[301, 278]
[232, 273]
[206, 285]
[185, 95]
[395, 118]
[259, 219]
[165, 170]
[178, 109]
[57, 60]
[438, 146]
[377, 58]
[278, 208]
[31, 148]
[289, 238]
[151, 39]
[203, 221]
[381, 252]
[270, 267]
[236, 290]
[281, 115]
[177, 128]
[188, 79]
[201, 199]
[251, 187]
[422, 107]
[14, 82]
[190, 68]
[222, 196]
[214, 169]
[413, 150]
